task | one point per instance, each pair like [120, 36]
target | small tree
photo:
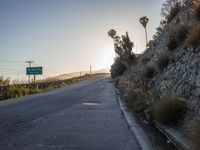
[123, 46]
[144, 20]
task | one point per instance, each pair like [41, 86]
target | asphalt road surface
[82, 116]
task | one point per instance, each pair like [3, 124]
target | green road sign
[34, 70]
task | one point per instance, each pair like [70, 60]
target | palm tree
[144, 20]
[112, 33]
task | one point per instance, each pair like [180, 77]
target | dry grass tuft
[169, 110]
[181, 34]
[193, 40]
[196, 13]
[172, 44]
[195, 134]
[164, 60]
[178, 37]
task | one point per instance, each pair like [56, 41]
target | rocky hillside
[182, 76]
[163, 83]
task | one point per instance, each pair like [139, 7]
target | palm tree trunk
[146, 36]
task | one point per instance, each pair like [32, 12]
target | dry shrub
[181, 34]
[149, 72]
[34, 90]
[163, 60]
[193, 40]
[178, 37]
[172, 44]
[14, 91]
[195, 134]
[169, 110]
[196, 13]
[145, 60]
[117, 68]
[139, 93]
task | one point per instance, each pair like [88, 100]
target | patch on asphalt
[90, 103]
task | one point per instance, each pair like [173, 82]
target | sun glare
[107, 57]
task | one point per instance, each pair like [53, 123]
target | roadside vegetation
[123, 49]
[164, 60]
[195, 134]
[169, 110]
[134, 75]
[149, 72]
[117, 68]
[193, 40]
[11, 91]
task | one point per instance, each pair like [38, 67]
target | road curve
[82, 116]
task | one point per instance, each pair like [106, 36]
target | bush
[149, 72]
[163, 60]
[139, 107]
[172, 44]
[11, 92]
[145, 60]
[196, 13]
[23, 91]
[181, 34]
[117, 68]
[139, 94]
[7, 93]
[195, 134]
[193, 40]
[34, 90]
[169, 110]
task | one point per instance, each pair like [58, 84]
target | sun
[107, 57]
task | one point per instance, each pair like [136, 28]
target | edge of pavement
[139, 134]
[143, 140]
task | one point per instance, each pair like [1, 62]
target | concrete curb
[174, 136]
[139, 134]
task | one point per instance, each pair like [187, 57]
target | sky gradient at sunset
[69, 35]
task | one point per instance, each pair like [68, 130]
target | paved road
[83, 116]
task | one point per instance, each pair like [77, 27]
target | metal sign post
[34, 71]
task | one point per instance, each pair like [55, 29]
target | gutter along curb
[139, 134]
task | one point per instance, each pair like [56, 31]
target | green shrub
[193, 40]
[139, 107]
[169, 110]
[117, 68]
[163, 60]
[135, 102]
[149, 72]
[195, 134]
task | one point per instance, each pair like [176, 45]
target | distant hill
[76, 74]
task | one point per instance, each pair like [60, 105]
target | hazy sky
[69, 35]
